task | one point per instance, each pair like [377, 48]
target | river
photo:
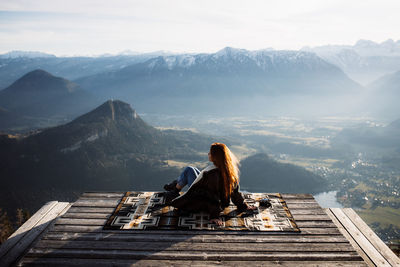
[328, 200]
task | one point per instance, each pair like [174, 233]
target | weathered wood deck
[330, 237]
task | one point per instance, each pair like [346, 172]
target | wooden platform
[330, 237]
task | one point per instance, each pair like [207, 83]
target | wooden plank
[102, 195]
[304, 206]
[304, 196]
[384, 250]
[349, 238]
[27, 226]
[182, 237]
[301, 201]
[307, 211]
[311, 217]
[117, 199]
[87, 228]
[320, 231]
[82, 215]
[81, 221]
[122, 262]
[326, 224]
[193, 255]
[21, 246]
[96, 203]
[359, 238]
[91, 210]
[184, 246]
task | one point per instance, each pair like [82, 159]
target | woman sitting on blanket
[211, 189]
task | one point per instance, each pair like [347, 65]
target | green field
[383, 215]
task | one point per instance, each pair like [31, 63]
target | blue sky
[89, 27]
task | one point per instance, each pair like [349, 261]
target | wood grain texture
[34, 261]
[193, 246]
[36, 230]
[344, 232]
[361, 240]
[384, 250]
[194, 237]
[192, 255]
[78, 239]
[93, 229]
[27, 226]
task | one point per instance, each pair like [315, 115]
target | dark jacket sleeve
[201, 196]
[238, 199]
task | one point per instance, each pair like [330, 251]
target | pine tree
[6, 228]
[20, 217]
[27, 215]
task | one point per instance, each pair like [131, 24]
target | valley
[365, 177]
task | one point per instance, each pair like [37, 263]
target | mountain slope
[11, 120]
[388, 84]
[384, 95]
[40, 94]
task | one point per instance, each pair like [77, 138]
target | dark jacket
[208, 195]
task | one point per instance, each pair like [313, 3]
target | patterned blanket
[147, 210]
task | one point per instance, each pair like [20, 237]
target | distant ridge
[42, 81]
[40, 94]
[26, 54]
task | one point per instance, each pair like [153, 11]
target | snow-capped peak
[27, 54]
[230, 51]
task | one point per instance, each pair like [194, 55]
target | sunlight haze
[98, 27]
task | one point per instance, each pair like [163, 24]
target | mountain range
[17, 63]
[229, 81]
[365, 61]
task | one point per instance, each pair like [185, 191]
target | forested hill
[262, 174]
[109, 148]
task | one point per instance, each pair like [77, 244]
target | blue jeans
[188, 176]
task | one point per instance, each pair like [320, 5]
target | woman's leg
[187, 177]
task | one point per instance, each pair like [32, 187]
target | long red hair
[228, 164]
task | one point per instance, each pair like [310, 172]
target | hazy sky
[72, 27]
